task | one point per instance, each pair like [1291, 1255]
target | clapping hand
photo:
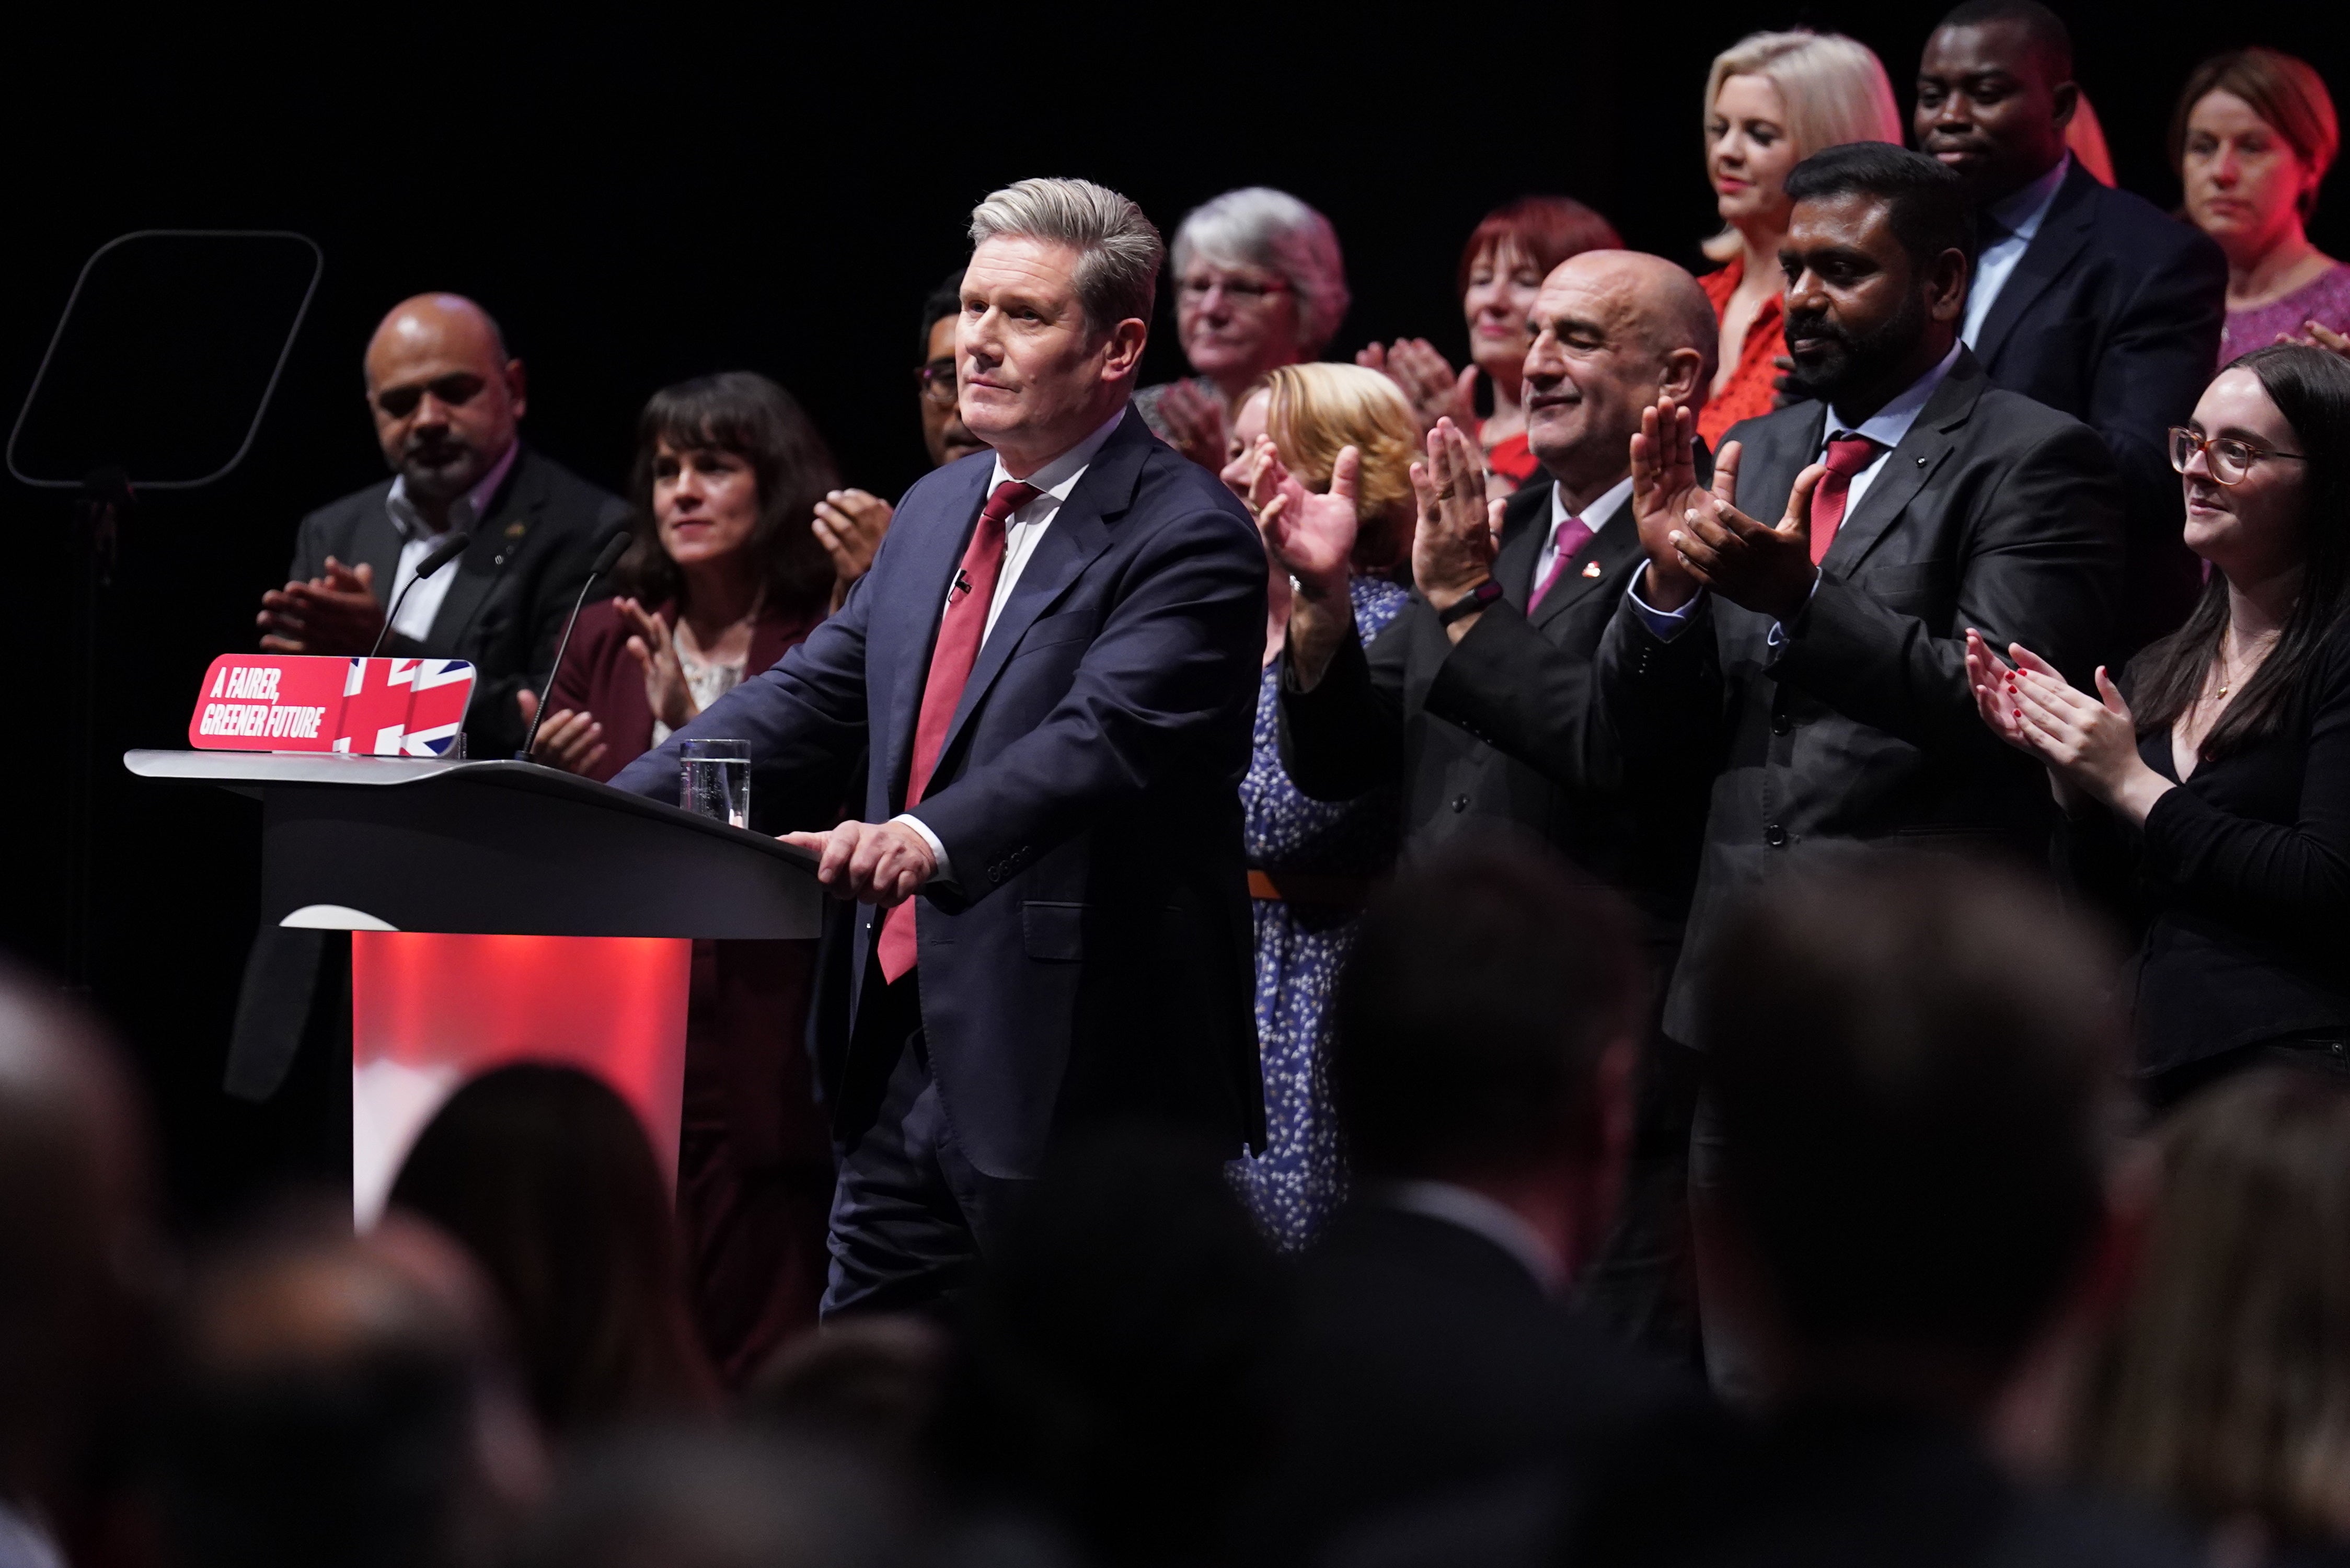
[2088, 743]
[336, 613]
[655, 648]
[2314, 335]
[1453, 546]
[1310, 536]
[1428, 380]
[850, 525]
[1195, 423]
[573, 741]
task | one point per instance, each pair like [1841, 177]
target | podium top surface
[252, 771]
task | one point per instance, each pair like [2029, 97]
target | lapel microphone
[441, 555]
[962, 585]
[606, 559]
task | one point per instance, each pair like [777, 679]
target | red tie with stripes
[960, 631]
[1847, 455]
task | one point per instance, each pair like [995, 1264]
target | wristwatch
[1470, 602]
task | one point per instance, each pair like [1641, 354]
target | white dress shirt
[416, 611]
[2019, 213]
[1022, 531]
[1596, 516]
[1888, 427]
[1482, 1216]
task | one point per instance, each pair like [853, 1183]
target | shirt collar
[2020, 212]
[467, 510]
[1889, 426]
[1480, 1215]
[1597, 516]
[1058, 477]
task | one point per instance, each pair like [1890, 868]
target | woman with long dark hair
[2209, 790]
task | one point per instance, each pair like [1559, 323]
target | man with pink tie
[1054, 661]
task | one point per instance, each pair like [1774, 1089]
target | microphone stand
[605, 561]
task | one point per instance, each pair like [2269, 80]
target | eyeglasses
[452, 392]
[2228, 459]
[1241, 291]
[938, 380]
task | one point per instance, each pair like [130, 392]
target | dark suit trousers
[911, 1218]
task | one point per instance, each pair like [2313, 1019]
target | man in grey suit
[447, 399]
[1816, 668]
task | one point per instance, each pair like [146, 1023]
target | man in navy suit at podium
[1055, 663]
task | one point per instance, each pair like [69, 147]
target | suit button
[1781, 725]
[1459, 803]
[1775, 837]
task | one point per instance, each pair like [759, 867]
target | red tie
[1847, 455]
[960, 631]
[1571, 535]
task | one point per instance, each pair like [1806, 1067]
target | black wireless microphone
[606, 559]
[441, 555]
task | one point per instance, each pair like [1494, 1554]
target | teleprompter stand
[499, 911]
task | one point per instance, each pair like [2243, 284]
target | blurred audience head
[1509, 252]
[1995, 95]
[1613, 331]
[1772, 100]
[867, 1382]
[1911, 1066]
[2259, 520]
[1486, 1024]
[338, 1405]
[1119, 1375]
[445, 395]
[1315, 410]
[546, 1176]
[943, 435]
[77, 1249]
[728, 472]
[1259, 282]
[706, 1499]
[1878, 242]
[1056, 309]
[2222, 1386]
[2252, 139]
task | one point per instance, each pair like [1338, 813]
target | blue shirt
[2020, 216]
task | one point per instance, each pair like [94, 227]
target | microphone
[441, 555]
[606, 559]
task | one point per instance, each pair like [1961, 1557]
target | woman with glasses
[2208, 791]
[1258, 284]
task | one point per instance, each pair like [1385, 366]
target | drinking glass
[715, 780]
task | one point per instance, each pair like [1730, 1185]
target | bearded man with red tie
[1055, 663]
[1814, 665]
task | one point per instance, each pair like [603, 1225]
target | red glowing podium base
[431, 1010]
[500, 912]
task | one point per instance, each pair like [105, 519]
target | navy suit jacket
[1093, 957]
[2112, 315]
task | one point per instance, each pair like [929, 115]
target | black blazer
[513, 586]
[1858, 731]
[2112, 315]
[1500, 731]
[1427, 1359]
[2240, 882]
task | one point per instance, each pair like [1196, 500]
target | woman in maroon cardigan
[743, 544]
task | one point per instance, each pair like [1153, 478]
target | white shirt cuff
[1778, 630]
[941, 873]
[1664, 625]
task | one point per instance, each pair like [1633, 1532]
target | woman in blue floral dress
[1312, 863]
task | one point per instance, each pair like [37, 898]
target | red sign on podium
[374, 707]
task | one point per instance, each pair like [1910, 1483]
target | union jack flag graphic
[404, 707]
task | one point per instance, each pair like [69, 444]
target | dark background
[642, 194]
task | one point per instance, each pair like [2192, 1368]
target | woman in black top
[2218, 804]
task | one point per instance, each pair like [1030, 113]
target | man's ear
[1946, 285]
[1122, 352]
[2067, 98]
[1684, 369]
[517, 387]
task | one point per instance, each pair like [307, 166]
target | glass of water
[715, 781]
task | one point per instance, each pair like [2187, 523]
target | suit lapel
[1526, 525]
[1079, 531]
[934, 541]
[376, 542]
[2063, 232]
[1615, 541]
[514, 511]
[1908, 466]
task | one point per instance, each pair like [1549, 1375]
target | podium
[499, 911]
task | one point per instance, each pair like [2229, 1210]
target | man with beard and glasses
[446, 398]
[2085, 298]
[1817, 669]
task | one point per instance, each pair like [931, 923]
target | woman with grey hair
[1258, 284]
